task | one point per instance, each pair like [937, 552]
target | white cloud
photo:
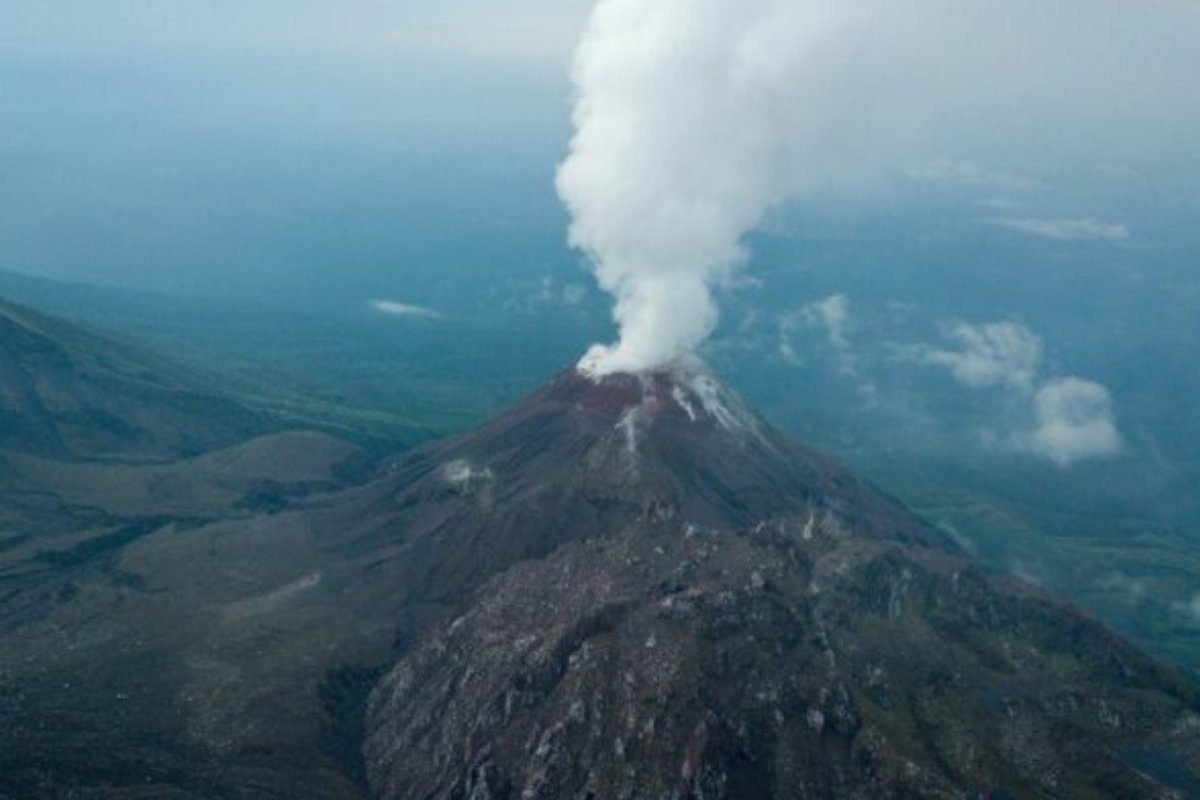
[1071, 419]
[1074, 421]
[995, 354]
[832, 314]
[1068, 230]
[396, 308]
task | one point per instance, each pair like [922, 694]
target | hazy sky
[161, 143]
[364, 30]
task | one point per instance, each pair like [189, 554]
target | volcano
[656, 595]
[582, 460]
[623, 587]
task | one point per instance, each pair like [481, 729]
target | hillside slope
[67, 392]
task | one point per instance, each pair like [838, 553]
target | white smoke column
[695, 117]
[684, 123]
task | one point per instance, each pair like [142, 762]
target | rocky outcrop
[762, 664]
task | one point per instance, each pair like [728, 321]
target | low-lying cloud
[1074, 421]
[831, 318]
[1070, 419]
[1068, 230]
[832, 315]
[995, 354]
[399, 309]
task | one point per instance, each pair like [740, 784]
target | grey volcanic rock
[685, 605]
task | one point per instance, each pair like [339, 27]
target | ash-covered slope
[581, 460]
[684, 604]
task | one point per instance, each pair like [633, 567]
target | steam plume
[682, 130]
[695, 117]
